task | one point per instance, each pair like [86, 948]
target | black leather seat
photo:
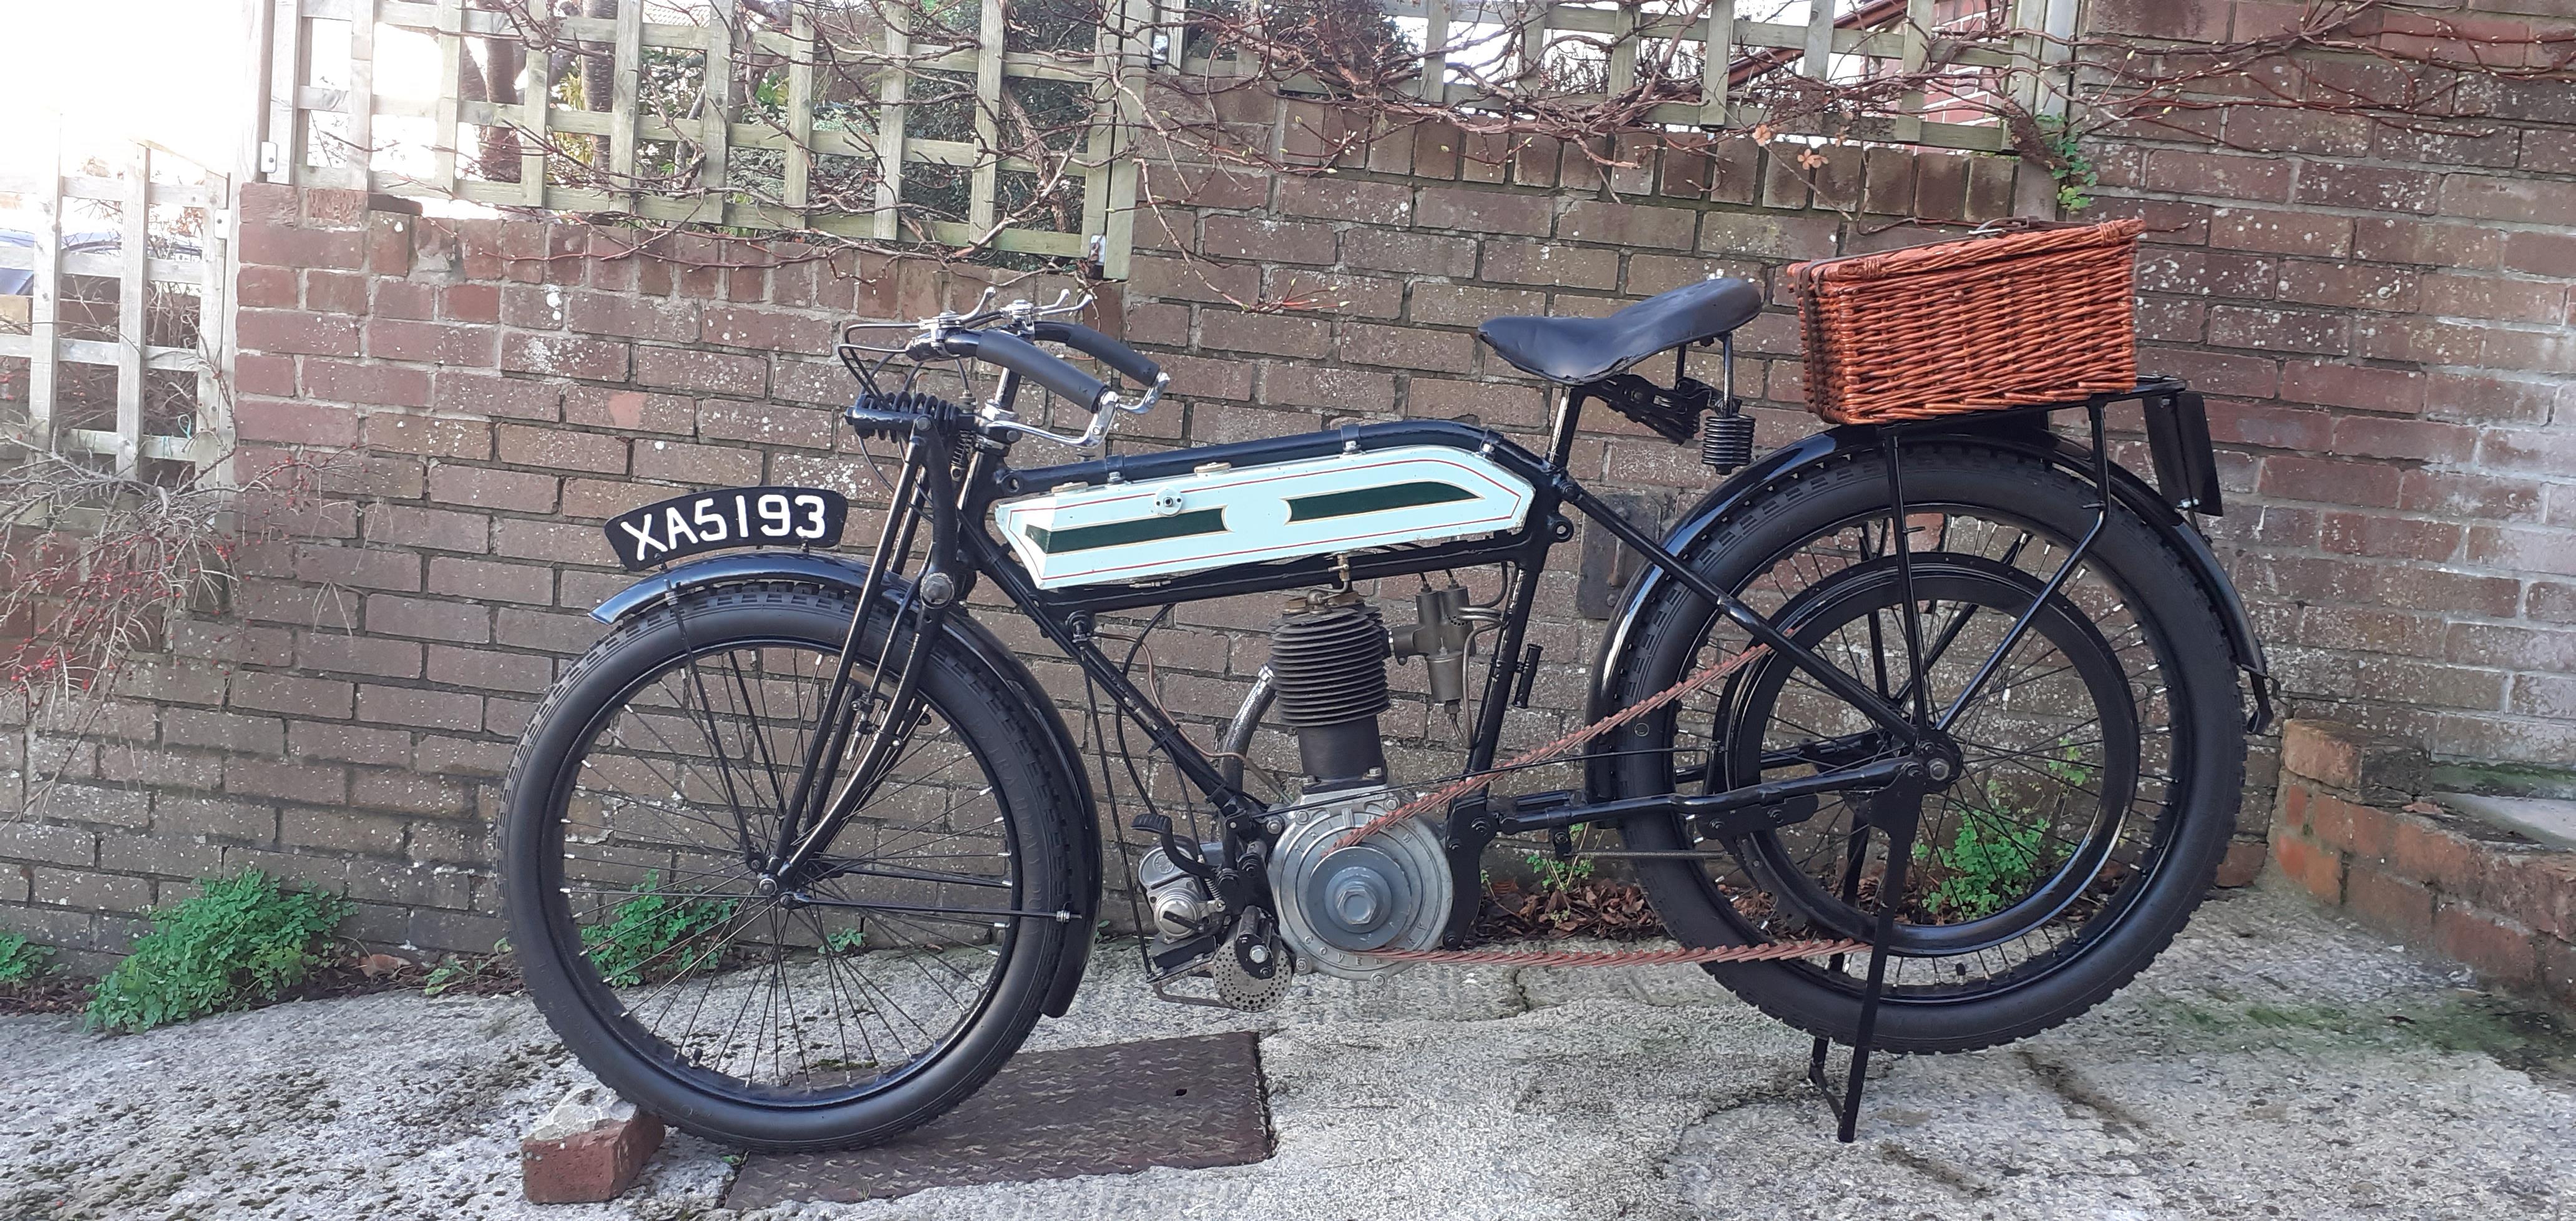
[1572, 351]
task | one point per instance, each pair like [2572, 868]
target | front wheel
[865, 995]
[2103, 752]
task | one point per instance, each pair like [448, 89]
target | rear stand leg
[1855, 855]
[1895, 810]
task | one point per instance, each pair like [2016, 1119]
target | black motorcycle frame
[958, 554]
[953, 469]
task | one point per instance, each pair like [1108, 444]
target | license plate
[684, 526]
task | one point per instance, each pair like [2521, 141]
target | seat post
[1569, 410]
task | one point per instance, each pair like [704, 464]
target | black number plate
[736, 517]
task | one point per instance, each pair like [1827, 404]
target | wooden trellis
[327, 122]
[90, 233]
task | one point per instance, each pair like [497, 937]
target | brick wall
[2349, 830]
[2381, 318]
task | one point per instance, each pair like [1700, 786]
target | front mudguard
[972, 640]
[2020, 435]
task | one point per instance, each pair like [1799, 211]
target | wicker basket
[1973, 325]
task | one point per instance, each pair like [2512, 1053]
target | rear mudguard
[1849, 443]
[972, 641]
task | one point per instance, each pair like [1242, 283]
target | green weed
[1995, 856]
[21, 960]
[1553, 874]
[241, 940]
[644, 929]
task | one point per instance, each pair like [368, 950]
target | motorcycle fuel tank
[1218, 516]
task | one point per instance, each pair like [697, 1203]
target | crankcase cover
[1390, 891]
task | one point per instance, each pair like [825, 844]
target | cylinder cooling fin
[1330, 670]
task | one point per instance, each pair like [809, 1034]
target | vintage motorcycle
[1920, 737]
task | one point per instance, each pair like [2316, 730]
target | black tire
[581, 767]
[1765, 553]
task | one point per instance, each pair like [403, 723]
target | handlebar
[1129, 362]
[1026, 359]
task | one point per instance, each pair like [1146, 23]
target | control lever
[1183, 855]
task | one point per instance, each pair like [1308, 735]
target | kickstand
[1894, 810]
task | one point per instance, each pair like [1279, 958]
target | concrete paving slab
[2276, 1062]
[2547, 820]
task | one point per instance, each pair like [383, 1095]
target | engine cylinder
[1330, 670]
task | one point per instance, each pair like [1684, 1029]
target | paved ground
[2276, 1063]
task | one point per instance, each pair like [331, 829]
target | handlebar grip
[1028, 360]
[1129, 362]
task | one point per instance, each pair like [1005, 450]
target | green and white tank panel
[1215, 517]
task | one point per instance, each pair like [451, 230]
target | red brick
[1551, 264]
[2437, 244]
[311, 784]
[630, 410]
[2500, 949]
[509, 397]
[704, 465]
[2540, 253]
[1268, 240]
[2548, 454]
[1476, 211]
[2317, 869]
[2280, 232]
[2394, 537]
[2494, 297]
[426, 709]
[2354, 285]
[2318, 480]
[279, 330]
[2343, 385]
[2282, 330]
[435, 342]
[2523, 550]
[770, 330]
[290, 693]
[435, 436]
[1223, 333]
[430, 618]
[2399, 437]
[1345, 199]
[415, 526]
[2390, 903]
[255, 735]
[2377, 189]
[1409, 348]
[565, 355]
[2514, 648]
[295, 423]
[701, 371]
[348, 653]
[2423, 588]
[2531, 888]
[2538, 201]
[331, 292]
[286, 246]
[481, 488]
[265, 288]
[2253, 178]
[631, 317]
[470, 303]
[2427, 852]
[1628, 225]
[1339, 389]
[767, 423]
[350, 743]
[462, 578]
[1308, 290]
[485, 670]
[561, 449]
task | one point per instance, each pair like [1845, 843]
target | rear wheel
[836, 1007]
[2102, 755]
